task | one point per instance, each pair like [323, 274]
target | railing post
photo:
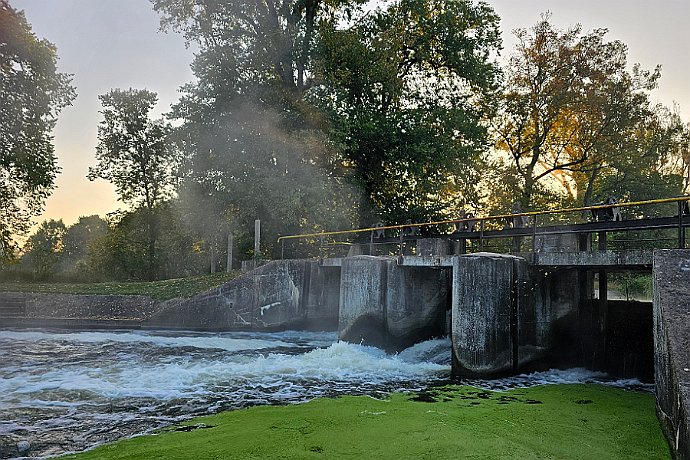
[681, 229]
[534, 233]
[321, 247]
[481, 235]
[282, 249]
[400, 247]
[371, 244]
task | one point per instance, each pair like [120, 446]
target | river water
[65, 391]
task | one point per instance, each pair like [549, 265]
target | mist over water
[68, 391]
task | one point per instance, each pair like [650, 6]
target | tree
[569, 107]
[135, 154]
[76, 244]
[405, 88]
[32, 94]
[43, 249]
[253, 145]
[255, 45]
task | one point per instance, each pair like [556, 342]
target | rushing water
[66, 391]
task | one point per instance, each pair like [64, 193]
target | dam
[504, 312]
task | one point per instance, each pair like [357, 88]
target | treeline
[313, 115]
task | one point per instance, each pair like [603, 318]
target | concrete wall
[272, 297]
[390, 306]
[76, 306]
[671, 278]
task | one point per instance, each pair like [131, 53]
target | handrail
[495, 217]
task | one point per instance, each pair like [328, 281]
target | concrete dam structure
[504, 313]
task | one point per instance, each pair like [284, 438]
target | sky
[110, 44]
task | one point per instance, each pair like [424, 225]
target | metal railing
[484, 228]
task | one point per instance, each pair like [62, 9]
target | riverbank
[157, 290]
[553, 421]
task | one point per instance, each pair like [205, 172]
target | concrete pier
[671, 277]
[484, 314]
[388, 305]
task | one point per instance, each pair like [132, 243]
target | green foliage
[573, 119]
[135, 154]
[43, 249]
[76, 244]
[634, 286]
[32, 94]
[122, 253]
[555, 421]
[253, 146]
[404, 87]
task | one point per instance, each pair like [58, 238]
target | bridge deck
[633, 259]
[656, 223]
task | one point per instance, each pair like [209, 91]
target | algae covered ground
[555, 421]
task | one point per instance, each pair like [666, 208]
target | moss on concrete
[559, 421]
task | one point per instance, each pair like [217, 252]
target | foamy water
[67, 391]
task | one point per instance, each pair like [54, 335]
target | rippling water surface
[66, 391]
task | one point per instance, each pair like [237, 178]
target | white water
[66, 391]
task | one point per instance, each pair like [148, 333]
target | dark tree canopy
[260, 47]
[405, 87]
[32, 94]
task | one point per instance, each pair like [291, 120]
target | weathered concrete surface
[559, 242]
[416, 304]
[629, 259]
[78, 306]
[671, 278]
[485, 313]
[272, 297]
[390, 306]
[363, 285]
[432, 247]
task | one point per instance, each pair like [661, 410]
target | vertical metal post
[681, 229]
[534, 233]
[321, 247]
[371, 244]
[282, 249]
[603, 307]
[481, 235]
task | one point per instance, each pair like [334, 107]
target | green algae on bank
[556, 421]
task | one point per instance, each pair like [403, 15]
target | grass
[158, 290]
[557, 422]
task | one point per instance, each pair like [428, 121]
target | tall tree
[44, 248]
[569, 104]
[32, 94]
[249, 45]
[405, 87]
[252, 142]
[135, 153]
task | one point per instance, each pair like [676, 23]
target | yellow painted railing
[489, 218]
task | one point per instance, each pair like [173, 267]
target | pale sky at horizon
[116, 44]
